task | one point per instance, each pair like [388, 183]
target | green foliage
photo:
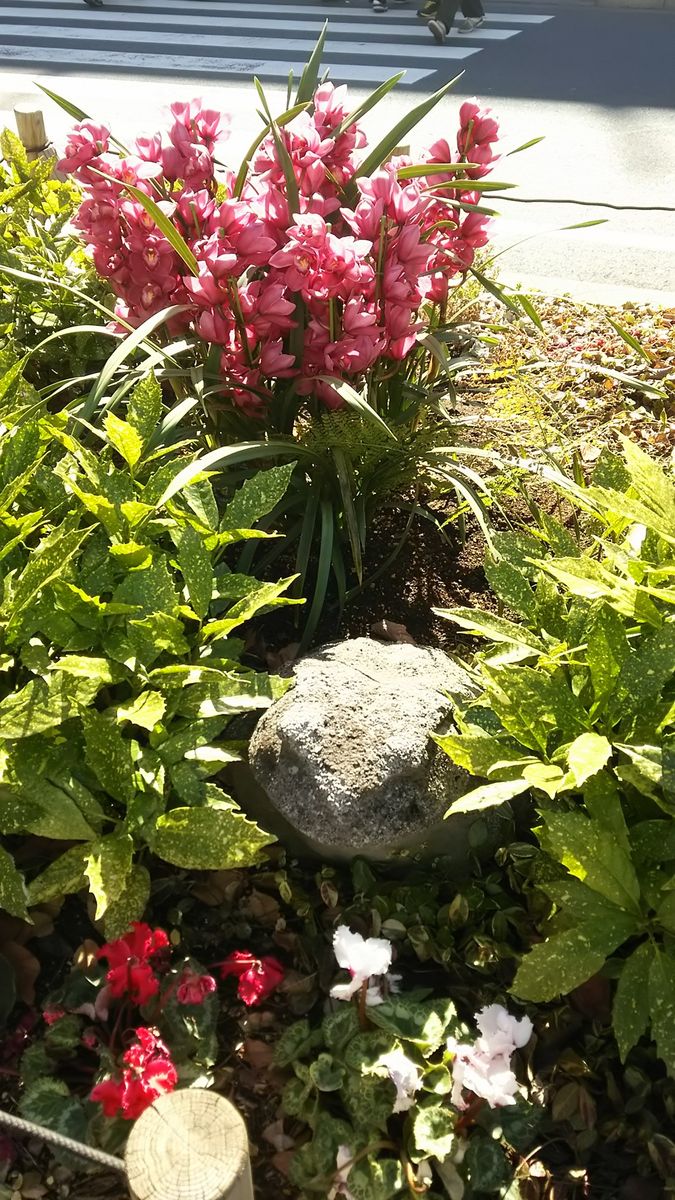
[36, 240]
[120, 672]
[578, 707]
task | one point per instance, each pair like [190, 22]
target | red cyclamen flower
[130, 973]
[149, 1073]
[258, 977]
[52, 1015]
[194, 988]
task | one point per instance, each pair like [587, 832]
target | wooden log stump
[30, 126]
[189, 1145]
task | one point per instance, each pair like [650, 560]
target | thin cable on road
[27, 1128]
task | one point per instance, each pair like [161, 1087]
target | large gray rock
[346, 762]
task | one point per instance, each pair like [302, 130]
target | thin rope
[18, 1125]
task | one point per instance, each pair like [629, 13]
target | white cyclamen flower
[484, 1068]
[345, 1162]
[362, 957]
[404, 1075]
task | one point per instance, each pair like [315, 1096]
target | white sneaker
[469, 23]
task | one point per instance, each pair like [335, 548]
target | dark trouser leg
[473, 8]
[447, 10]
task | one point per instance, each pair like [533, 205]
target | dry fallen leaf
[391, 631]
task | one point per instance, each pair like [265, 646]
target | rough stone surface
[346, 761]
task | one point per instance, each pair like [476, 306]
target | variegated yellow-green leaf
[109, 755]
[587, 755]
[208, 839]
[44, 704]
[12, 887]
[195, 563]
[63, 876]
[489, 795]
[145, 407]
[630, 1014]
[126, 440]
[592, 854]
[107, 867]
[566, 960]
[129, 906]
[662, 1006]
[257, 497]
[145, 710]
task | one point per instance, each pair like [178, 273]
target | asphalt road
[598, 83]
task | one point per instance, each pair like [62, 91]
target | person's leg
[94, 3]
[440, 25]
[474, 15]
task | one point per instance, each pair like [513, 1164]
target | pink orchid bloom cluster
[310, 296]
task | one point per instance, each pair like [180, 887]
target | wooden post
[31, 128]
[189, 1145]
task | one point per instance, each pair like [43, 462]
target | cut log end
[30, 127]
[190, 1145]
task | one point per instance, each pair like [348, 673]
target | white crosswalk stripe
[226, 39]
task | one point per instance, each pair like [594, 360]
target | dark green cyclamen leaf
[630, 1013]
[48, 1102]
[434, 1131]
[12, 887]
[662, 1006]
[369, 1101]
[425, 1023]
[375, 1178]
[296, 1042]
[109, 755]
[487, 1165]
[566, 960]
[326, 1073]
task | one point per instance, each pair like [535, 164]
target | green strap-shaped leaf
[630, 1013]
